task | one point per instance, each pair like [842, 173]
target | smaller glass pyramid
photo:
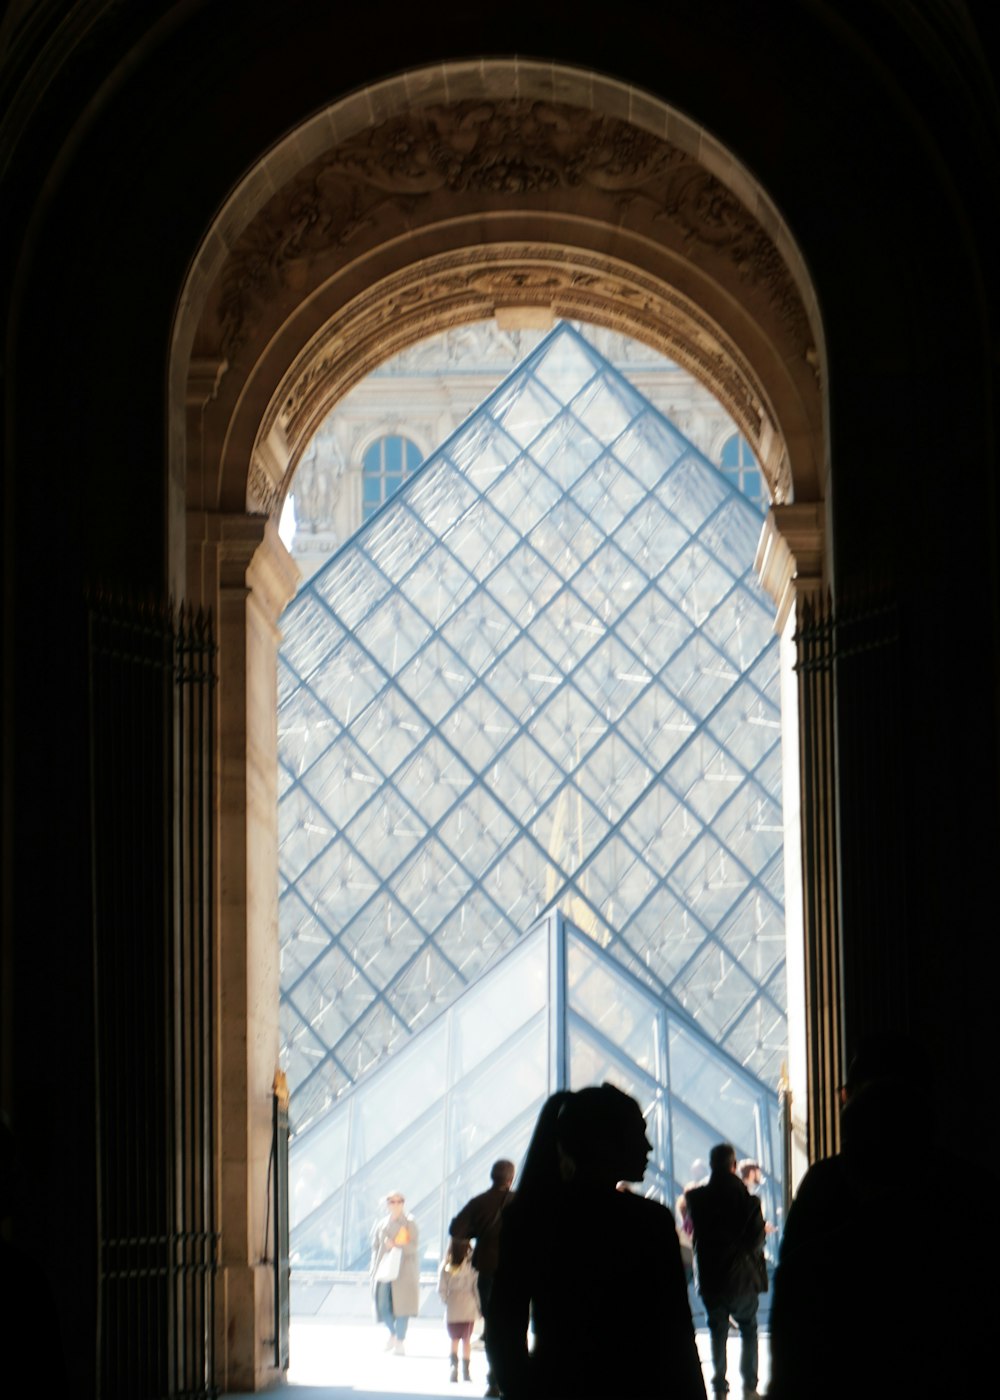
[557, 1011]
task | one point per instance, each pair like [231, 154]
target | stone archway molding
[442, 195]
[476, 283]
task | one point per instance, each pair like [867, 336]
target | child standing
[458, 1286]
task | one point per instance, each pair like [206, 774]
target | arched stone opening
[432, 200]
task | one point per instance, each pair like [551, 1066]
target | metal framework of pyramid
[542, 677]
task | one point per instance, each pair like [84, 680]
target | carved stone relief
[512, 153]
[317, 483]
[263, 494]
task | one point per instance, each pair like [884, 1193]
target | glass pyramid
[542, 677]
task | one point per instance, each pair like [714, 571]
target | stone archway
[431, 200]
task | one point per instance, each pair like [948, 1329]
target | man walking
[729, 1263]
[479, 1220]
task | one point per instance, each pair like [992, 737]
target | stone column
[790, 567]
[255, 577]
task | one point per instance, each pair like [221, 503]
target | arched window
[740, 465]
[387, 464]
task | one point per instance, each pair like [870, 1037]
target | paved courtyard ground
[346, 1361]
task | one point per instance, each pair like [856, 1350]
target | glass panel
[477, 830]
[706, 1085]
[523, 408]
[568, 630]
[304, 830]
[389, 730]
[397, 540]
[432, 884]
[568, 828]
[382, 939]
[410, 1164]
[511, 1086]
[523, 584]
[591, 1062]
[316, 636]
[392, 633]
[608, 582]
[514, 994]
[438, 584]
[651, 537]
[621, 1013]
[475, 934]
[565, 450]
[657, 726]
[565, 538]
[478, 727]
[305, 732]
[525, 677]
[322, 1160]
[607, 406]
[337, 884]
[693, 490]
[666, 936]
[350, 585]
[523, 778]
[612, 678]
[435, 679]
[613, 776]
[568, 727]
[565, 369]
[650, 447]
[392, 1103]
[347, 681]
[302, 937]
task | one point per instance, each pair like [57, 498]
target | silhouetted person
[599, 1269]
[479, 1220]
[867, 1301]
[729, 1263]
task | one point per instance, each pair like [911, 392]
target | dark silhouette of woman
[599, 1269]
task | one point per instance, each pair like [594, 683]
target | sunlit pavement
[334, 1361]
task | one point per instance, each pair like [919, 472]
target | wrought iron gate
[151, 724]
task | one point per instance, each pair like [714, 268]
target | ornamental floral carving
[495, 155]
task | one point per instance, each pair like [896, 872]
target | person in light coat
[395, 1280]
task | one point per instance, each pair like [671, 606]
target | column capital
[790, 554]
[204, 377]
[272, 574]
[249, 557]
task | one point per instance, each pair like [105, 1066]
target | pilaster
[790, 565]
[242, 560]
